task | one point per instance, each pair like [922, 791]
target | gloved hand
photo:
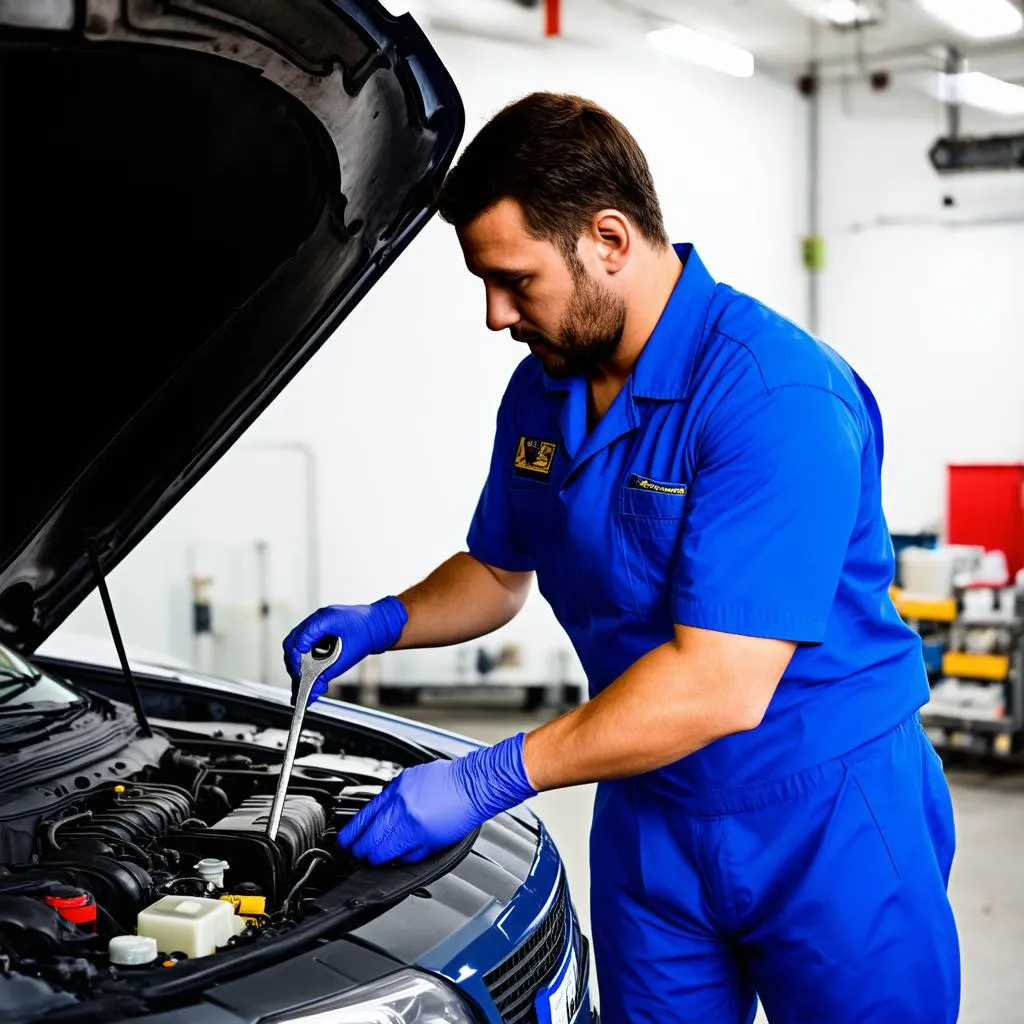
[363, 629]
[431, 806]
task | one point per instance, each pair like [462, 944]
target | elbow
[516, 584]
[745, 712]
[749, 716]
[517, 591]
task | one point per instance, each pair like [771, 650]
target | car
[195, 195]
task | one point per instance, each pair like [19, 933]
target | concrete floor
[986, 888]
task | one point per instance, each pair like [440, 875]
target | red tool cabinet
[985, 505]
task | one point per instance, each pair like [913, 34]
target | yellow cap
[247, 905]
[119, 789]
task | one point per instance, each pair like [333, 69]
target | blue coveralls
[733, 485]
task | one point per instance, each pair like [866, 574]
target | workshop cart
[974, 652]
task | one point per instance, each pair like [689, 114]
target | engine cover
[241, 839]
[134, 813]
[302, 823]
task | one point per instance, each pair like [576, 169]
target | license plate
[556, 1003]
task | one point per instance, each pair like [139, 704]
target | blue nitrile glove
[431, 806]
[363, 628]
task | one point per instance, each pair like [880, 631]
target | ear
[613, 239]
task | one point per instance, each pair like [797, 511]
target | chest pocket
[535, 513]
[652, 522]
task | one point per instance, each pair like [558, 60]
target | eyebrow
[509, 273]
[486, 271]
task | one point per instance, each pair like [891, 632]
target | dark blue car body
[195, 195]
[499, 925]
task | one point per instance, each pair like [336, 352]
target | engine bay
[159, 866]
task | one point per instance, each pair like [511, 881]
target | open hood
[195, 193]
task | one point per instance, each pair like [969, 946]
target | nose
[501, 309]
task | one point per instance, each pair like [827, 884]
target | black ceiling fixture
[954, 153]
[950, 155]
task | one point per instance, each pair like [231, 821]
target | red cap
[78, 909]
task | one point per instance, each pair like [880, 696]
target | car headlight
[406, 997]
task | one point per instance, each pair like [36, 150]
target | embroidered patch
[644, 484]
[534, 457]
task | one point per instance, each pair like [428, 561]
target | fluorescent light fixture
[845, 12]
[979, 19]
[704, 50]
[984, 92]
[840, 13]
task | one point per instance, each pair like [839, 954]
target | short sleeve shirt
[733, 485]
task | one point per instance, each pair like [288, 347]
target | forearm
[462, 599]
[667, 705]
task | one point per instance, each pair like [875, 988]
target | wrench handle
[277, 807]
[320, 658]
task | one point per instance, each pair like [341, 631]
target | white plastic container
[192, 924]
[132, 950]
[966, 699]
[927, 573]
[211, 870]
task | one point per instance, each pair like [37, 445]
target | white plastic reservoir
[194, 925]
[927, 572]
[132, 950]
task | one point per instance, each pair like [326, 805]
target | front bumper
[523, 952]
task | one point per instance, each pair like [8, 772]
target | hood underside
[194, 196]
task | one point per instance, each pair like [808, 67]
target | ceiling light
[840, 13]
[979, 19]
[704, 50]
[845, 12]
[984, 92]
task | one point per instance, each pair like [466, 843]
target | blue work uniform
[734, 485]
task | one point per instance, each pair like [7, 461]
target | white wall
[927, 303]
[399, 406]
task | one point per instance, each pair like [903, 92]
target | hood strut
[133, 689]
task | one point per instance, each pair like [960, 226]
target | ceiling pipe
[552, 17]
[813, 243]
[925, 54]
[955, 65]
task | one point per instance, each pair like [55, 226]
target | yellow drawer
[975, 666]
[933, 611]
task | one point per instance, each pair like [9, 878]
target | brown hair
[562, 158]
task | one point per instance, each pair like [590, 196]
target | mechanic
[695, 482]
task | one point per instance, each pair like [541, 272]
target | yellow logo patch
[644, 484]
[534, 457]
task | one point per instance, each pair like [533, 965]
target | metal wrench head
[313, 664]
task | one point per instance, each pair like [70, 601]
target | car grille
[515, 982]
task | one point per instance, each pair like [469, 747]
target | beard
[589, 332]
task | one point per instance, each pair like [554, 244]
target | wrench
[326, 652]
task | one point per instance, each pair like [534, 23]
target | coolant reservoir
[194, 925]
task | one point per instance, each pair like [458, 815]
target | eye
[518, 283]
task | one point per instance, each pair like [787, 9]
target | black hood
[194, 195]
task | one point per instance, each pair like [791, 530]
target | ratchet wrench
[311, 667]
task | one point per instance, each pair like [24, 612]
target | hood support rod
[133, 689]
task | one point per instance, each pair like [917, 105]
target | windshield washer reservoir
[195, 925]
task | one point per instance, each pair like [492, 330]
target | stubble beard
[589, 333]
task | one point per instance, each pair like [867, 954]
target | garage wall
[394, 417]
[925, 299]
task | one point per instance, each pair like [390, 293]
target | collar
[663, 368]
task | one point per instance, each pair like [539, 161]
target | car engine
[170, 861]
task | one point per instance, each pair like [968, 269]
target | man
[695, 482]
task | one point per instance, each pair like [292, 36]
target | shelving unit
[977, 682]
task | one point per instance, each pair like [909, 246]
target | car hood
[195, 195]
